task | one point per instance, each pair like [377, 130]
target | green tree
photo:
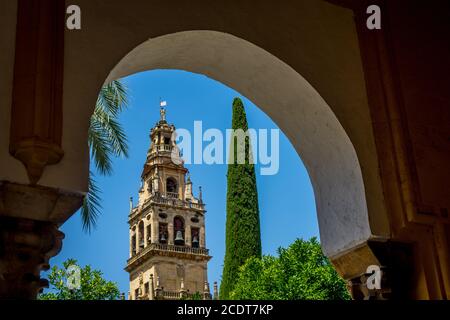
[300, 272]
[106, 139]
[92, 285]
[243, 236]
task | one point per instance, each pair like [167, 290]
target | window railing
[172, 195]
[158, 199]
[168, 248]
[161, 294]
[174, 248]
[173, 295]
[170, 294]
[163, 147]
[176, 202]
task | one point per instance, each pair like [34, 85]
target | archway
[326, 41]
[172, 187]
[294, 105]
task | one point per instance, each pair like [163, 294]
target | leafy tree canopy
[300, 272]
[92, 286]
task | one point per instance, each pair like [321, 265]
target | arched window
[163, 234]
[178, 231]
[141, 234]
[149, 233]
[150, 186]
[195, 237]
[133, 244]
[171, 188]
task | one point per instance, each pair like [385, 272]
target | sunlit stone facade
[168, 255]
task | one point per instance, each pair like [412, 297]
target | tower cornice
[167, 250]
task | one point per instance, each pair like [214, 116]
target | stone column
[145, 232]
[183, 292]
[152, 288]
[131, 242]
[30, 214]
[37, 111]
[187, 235]
[216, 291]
[155, 231]
[137, 238]
[170, 232]
[394, 262]
[202, 237]
[158, 288]
[206, 291]
[29, 236]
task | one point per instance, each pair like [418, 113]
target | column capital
[27, 246]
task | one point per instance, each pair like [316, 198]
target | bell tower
[168, 255]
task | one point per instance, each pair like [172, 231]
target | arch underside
[297, 108]
[312, 40]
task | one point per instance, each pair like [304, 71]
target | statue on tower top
[162, 111]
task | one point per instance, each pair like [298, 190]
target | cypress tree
[243, 235]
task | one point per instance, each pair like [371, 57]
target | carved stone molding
[394, 259]
[29, 236]
[37, 202]
[25, 249]
[35, 154]
[36, 113]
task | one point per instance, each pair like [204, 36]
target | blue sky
[286, 200]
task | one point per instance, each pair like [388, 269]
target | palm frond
[106, 139]
[90, 209]
[114, 133]
[113, 98]
[100, 147]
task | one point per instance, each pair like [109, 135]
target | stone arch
[140, 233]
[297, 108]
[179, 226]
[171, 185]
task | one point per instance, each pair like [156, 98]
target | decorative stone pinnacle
[216, 291]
